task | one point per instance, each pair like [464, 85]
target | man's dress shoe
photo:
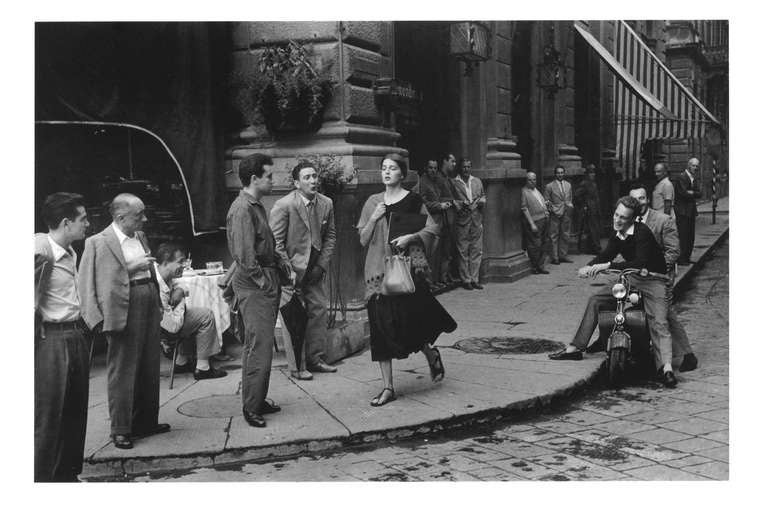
[269, 406]
[186, 368]
[302, 375]
[321, 366]
[158, 428]
[122, 442]
[254, 419]
[211, 373]
[689, 362]
[576, 355]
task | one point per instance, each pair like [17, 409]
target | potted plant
[283, 91]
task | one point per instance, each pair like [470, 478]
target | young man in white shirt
[188, 322]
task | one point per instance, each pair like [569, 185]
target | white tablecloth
[205, 292]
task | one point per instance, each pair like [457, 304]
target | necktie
[314, 225]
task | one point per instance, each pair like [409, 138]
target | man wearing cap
[119, 295]
[61, 350]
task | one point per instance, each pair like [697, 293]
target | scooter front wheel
[617, 367]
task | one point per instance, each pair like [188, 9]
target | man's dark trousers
[258, 309]
[61, 404]
[133, 365]
[535, 241]
[686, 230]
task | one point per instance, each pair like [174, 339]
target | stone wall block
[503, 75]
[361, 67]
[360, 107]
[369, 35]
[258, 34]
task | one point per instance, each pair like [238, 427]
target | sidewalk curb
[122, 468]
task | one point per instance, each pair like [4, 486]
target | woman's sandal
[436, 368]
[377, 400]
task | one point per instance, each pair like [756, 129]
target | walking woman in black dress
[400, 324]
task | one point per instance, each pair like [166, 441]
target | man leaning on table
[192, 324]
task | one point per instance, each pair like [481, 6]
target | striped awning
[649, 101]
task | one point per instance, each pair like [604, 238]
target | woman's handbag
[397, 275]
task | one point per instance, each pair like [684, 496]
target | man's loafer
[540, 271]
[211, 373]
[254, 419]
[322, 367]
[669, 379]
[186, 368]
[555, 262]
[576, 355]
[158, 428]
[122, 442]
[302, 375]
[689, 362]
[476, 285]
[269, 406]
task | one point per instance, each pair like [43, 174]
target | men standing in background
[469, 225]
[305, 235]
[61, 350]
[558, 194]
[687, 190]
[535, 220]
[447, 241]
[436, 191]
[663, 197]
[587, 198]
[119, 294]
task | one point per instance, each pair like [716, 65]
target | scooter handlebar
[643, 273]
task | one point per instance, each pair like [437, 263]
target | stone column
[354, 54]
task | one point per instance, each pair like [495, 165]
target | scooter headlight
[619, 291]
[634, 298]
[619, 318]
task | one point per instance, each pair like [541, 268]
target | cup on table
[214, 267]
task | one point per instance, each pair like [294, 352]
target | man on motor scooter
[639, 249]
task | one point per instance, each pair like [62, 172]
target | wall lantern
[550, 72]
[470, 43]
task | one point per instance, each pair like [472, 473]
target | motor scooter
[628, 343]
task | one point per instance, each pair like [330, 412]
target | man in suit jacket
[560, 197]
[664, 230]
[587, 198]
[61, 350]
[305, 235]
[118, 290]
[687, 190]
[636, 244]
[469, 225]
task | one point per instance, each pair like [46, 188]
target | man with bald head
[687, 190]
[535, 222]
[119, 297]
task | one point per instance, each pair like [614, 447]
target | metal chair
[173, 342]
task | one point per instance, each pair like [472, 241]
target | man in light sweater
[535, 222]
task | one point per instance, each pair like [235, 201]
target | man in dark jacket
[687, 190]
[639, 249]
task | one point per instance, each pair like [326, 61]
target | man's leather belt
[64, 325]
[142, 281]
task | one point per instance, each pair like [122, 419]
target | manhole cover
[213, 407]
[508, 345]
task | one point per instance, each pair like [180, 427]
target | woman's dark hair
[252, 165]
[60, 205]
[400, 160]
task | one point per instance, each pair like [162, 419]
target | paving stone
[659, 436]
[720, 415]
[523, 468]
[586, 417]
[622, 427]
[655, 417]
[720, 454]
[721, 436]
[714, 470]
[691, 460]
[694, 444]
[695, 426]
[662, 472]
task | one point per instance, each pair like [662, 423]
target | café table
[203, 291]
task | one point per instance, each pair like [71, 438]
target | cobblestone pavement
[644, 432]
